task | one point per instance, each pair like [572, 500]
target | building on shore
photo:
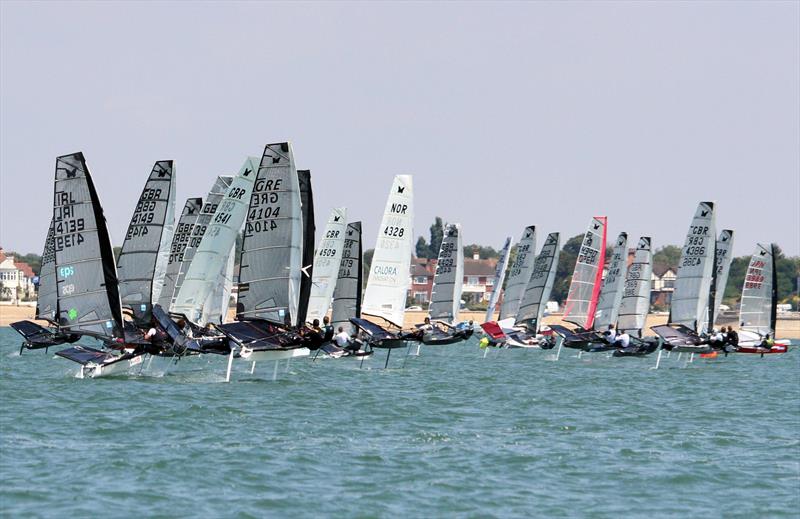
[478, 279]
[17, 279]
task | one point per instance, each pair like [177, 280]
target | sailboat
[635, 303]
[693, 299]
[448, 282]
[499, 277]
[145, 249]
[387, 286]
[268, 307]
[327, 264]
[758, 309]
[34, 335]
[584, 289]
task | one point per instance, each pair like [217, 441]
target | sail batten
[584, 289]
[519, 273]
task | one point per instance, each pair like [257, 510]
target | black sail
[47, 299]
[347, 294]
[136, 265]
[86, 276]
[307, 208]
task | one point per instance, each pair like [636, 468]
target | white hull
[262, 356]
[94, 370]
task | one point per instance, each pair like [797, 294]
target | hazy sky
[507, 114]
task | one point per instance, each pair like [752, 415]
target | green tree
[566, 265]
[437, 235]
[422, 248]
[484, 252]
[667, 257]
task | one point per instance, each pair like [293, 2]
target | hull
[392, 343]
[755, 350]
[267, 355]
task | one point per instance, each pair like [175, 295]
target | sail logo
[68, 289]
[72, 314]
[66, 272]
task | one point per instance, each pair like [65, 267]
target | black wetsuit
[327, 333]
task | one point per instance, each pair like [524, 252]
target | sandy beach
[787, 328]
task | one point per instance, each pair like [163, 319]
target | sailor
[611, 334]
[327, 330]
[767, 343]
[342, 338]
[623, 340]
[426, 325]
[732, 337]
[313, 338]
[470, 326]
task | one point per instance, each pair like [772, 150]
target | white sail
[759, 297]
[584, 289]
[212, 252]
[166, 241]
[519, 274]
[635, 303]
[724, 257]
[611, 292]
[272, 243]
[178, 244]
[499, 276]
[389, 274]
[541, 284]
[215, 310]
[326, 264]
[448, 280]
[218, 190]
[690, 299]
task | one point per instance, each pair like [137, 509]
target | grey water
[450, 433]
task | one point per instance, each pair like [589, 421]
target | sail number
[393, 231]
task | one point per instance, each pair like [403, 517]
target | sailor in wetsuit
[313, 337]
[327, 330]
[767, 343]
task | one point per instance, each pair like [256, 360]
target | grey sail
[611, 291]
[584, 288]
[635, 302]
[180, 240]
[137, 260]
[166, 241]
[347, 293]
[759, 293]
[47, 300]
[86, 277]
[218, 190]
[272, 242]
[308, 226]
[724, 256]
[448, 280]
[499, 276]
[541, 284]
[690, 300]
[519, 274]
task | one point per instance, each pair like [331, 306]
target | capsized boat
[759, 306]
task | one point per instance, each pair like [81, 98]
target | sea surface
[448, 434]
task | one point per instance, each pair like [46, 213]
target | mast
[499, 276]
